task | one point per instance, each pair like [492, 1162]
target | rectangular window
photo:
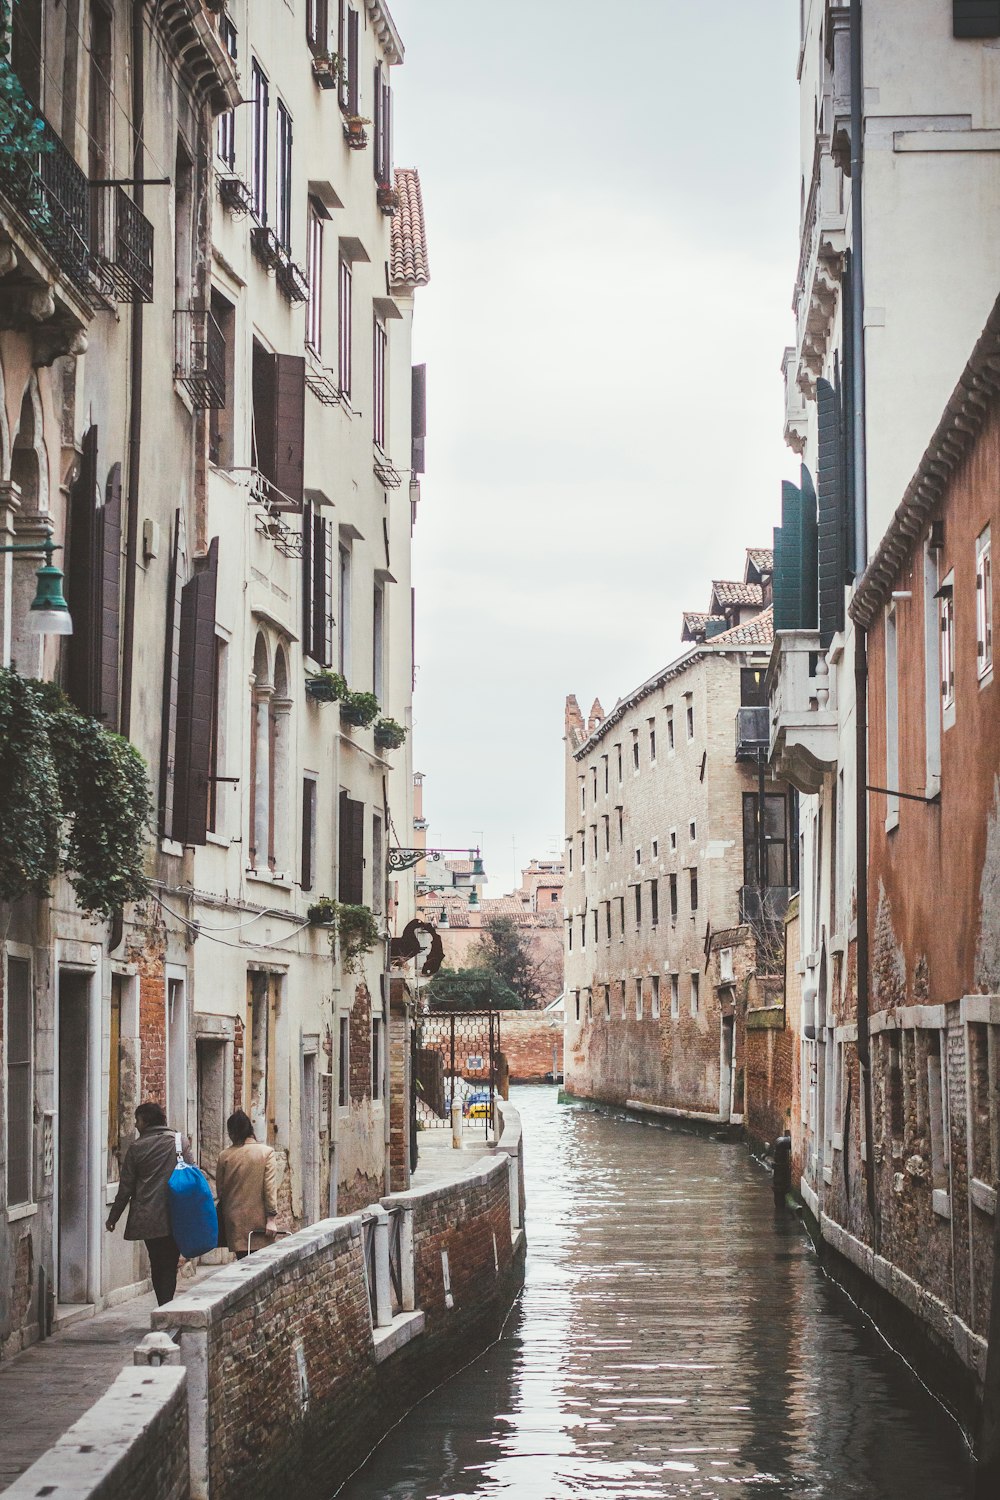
[344, 611]
[752, 691]
[607, 1002]
[217, 735]
[569, 935]
[672, 879]
[351, 850]
[937, 1107]
[378, 866]
[345, 288]
[19, 1031]
[692, 831]
[670, 731]
[260, 94]
[569, 856]
[593, 830]
[635, 750]
[638, 904]
[652, 742]
[984, 603]
[583, 931]
[621, 917]
[595, 915]
[377, 1058]
[607, 834]
[344, 1063]
[314, 277]
[382, 126]
[638, 999]
[576, 1002]
[226, 125]
[347, 50]
[638, 858]
[317, 26]
[308, 874]
[607, 774]
[694, 889]
[655, 849]
[283, 184]
[621, 824]
[583, 794]
[891, 720]
[380, 341]
[932, 674]
[654, 999]
[673, 838]
[378, 642]
[695, 991]
[690, 721]
[984, 1118]
[654, 901]
[607, 920]
[947, 627]
[618, 756]
[675, 995]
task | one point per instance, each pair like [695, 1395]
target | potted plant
[327, 69]
[326, 687]
[389, 735]
[359, 709]
[354, 131]
[354, 927]
[387, 197]
[322, 913]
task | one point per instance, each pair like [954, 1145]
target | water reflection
[675, 1338]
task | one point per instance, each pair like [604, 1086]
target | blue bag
[194, 1223]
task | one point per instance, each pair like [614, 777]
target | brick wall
[361, 1045]
[527, 1040]
[133, 1441]
[153, 1036]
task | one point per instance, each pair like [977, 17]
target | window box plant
[389, 735]
[355, 927]
[354, 131]
[236, 195]
[326, 687]
[292, 280]
[359, 709]
[326, 69]
[266, 246]
[387, 198]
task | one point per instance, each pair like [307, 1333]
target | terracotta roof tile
[762, 558]
[695, 623]
[756, 632]
[409, 264]
[728, 591]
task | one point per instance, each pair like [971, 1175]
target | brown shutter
[195, 701]
[330, 554]
[322, 565]
[386, 133]
[83, 593]
[289, 424]
[308, 646]
[171, 661]
[351, 873]
[110, 584]
[418, 417]
[377, 122]
[352, 62]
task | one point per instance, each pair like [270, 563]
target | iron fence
[200, 357]
[456, 1056]
[396, 1259]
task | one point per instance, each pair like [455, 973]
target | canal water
[675, 1337]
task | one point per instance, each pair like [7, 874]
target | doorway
[309, 1145]
[211, 1063]
[726, 1068]
[73, 1137]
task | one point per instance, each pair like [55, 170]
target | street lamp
[49, 613]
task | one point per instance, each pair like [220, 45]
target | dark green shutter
[307, 580]
[794, 583]
[975, 18]
[110, 585]
[83, 579]
[830, 514]
[807, 552]
[196, 700]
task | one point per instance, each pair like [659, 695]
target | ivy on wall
[21, 126]
[73, 797]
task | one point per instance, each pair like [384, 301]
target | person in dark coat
[145, 1173]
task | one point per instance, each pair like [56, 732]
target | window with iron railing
[226, 125]
[53, 195]
[345, 290]
[260, 95]
[283, 178]
[314, 277]
[380, 343]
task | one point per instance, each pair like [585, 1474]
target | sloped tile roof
[408, 262]
[695, 624]
[729, 591]
[756, 632]
[762, 558]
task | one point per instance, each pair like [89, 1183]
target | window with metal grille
[694, 889]
[984, 603]
[344, 314]
[226, 125]
[380, 343]
[946, 595]
[260, 94]
[308, 871]
[283, 177]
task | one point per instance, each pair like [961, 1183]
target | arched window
[281, 708]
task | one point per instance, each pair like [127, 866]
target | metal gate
[455, 1053]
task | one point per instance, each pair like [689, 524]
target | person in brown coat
[245, 1182]
[142, 1186]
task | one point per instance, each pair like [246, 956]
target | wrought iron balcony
[753, 733]
[200, 358]
[236, 195]
[123, 245]
[52, 194]
[292, 279]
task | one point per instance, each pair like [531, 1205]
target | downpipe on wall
[135, 384]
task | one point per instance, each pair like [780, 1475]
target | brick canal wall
[133, 1442]
[527, 1040]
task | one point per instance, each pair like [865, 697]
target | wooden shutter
[351, 872]
[830, 516]
[171, 660]
[110, 584]
[377, 123]
[307, 580]
[329, 552]
[83, 577]
[289, 425]
[807, 552]
[386, 134]
[974, 18]
[196, 701]
[418, 417]
[795, 557]
[850, 376]
[352, 62]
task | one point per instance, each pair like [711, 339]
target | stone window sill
[404, 1327]
[983, 1196]
[21, 1211]
[941, 1203]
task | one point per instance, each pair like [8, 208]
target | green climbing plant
[22, 129]
[73, 797]
[355, 928]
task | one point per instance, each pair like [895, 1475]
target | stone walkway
[44, 1390]
[439, 1162]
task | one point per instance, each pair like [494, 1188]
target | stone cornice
[385, 30]
[956, 433]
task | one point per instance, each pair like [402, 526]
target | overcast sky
[611, 195]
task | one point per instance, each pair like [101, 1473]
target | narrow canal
[675, 1337]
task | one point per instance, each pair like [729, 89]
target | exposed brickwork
[528, 1040]
[239, 1052]
[361, 1045]
[399, 1088]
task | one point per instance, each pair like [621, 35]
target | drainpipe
[858, 294]
[861, 840]
[135, 385]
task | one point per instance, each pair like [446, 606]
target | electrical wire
[240, 947]
[271, 911]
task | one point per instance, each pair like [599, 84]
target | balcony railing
[123, 245]
[802, 688]
[53, 195]
[753, 733]
[200, 358]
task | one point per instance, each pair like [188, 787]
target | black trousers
[163, 1259]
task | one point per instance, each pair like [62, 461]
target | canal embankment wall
[279, 1373]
